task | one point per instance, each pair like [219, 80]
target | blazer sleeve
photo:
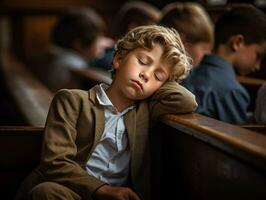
[59, 150]
[171, 98]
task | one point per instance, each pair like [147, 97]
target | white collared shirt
[109, 161]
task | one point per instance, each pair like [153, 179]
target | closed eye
[159, 77]
[142, 62]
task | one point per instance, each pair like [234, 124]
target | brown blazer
[74, 126]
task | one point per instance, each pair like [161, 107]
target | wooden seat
[196, 157]
[20, 149]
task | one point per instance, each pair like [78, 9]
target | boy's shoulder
[75, 92]
[75, 95]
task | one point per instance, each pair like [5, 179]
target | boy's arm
[59, 150]
[171, 98]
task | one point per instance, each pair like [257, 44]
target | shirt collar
[104, 100]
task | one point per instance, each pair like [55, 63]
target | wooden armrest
[250, 81]
[247, 144]
[206, 157]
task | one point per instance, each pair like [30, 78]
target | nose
[144, 76]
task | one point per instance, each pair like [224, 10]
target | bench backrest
[193, 157]
[19, 153]
[196, 157]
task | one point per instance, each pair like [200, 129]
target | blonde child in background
[194, 25]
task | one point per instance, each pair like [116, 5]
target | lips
[138, 83]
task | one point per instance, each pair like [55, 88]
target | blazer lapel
[99, 118]
[130, 122]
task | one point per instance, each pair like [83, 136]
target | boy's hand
[107, 192]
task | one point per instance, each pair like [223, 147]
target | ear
[236, 42]
[116, 60]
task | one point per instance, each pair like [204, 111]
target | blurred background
[25, 25]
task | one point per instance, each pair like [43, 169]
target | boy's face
[140, 73]
[249, 57]
[197, 51]
[96, 49]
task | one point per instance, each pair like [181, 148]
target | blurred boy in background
[240, 36]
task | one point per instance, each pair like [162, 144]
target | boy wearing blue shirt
[238, 46]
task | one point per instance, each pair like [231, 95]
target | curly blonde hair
[147, 37]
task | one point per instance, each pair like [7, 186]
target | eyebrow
[150, 59]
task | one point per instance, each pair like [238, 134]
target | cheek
[153, 87]
[127, 71]
[249, 60]
[245, 65]
[198, 57]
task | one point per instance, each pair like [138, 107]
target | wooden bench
[245, 80]
[31, 98]
[196, 157]
[20, 149]
[255, 127]
[193, 157]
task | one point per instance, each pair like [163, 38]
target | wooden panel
[226, 136]
[202, 158]
[37, 34]
[20, 149]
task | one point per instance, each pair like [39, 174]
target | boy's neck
[118, 99]
[224, 52]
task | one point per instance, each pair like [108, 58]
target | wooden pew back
[202, 158]
[255, 127]
[20, 153]
[194, 157]
[32, 99]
